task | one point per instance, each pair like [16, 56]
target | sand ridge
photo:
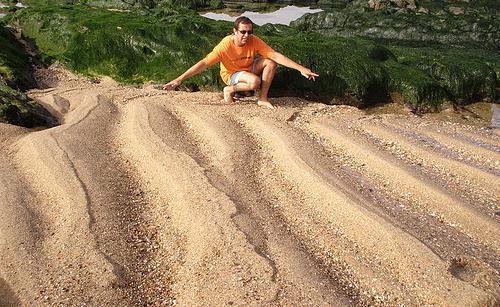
[143, 196]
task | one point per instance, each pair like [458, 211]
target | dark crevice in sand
[122, 230]
[118, 269]
[218, 181]
[253, 214]
[115, 192]
[7, 296]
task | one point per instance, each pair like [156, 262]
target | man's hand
[306, 72]
[172, 85]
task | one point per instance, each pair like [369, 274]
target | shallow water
[495, 117]
[283, 16]
[2, 5]
[19, 4]
[480, 113]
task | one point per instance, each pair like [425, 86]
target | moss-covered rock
[15, 65]
[426, 71]
[15, 107]
[465, 74]
[128, 46]
[347, 67]
[432, 21]
[419, 90]
[142, 48]
[133, 4]
[366, 70]
[133, 47]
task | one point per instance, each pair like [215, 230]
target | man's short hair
[242, 19]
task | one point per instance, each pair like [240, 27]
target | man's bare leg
[268, 68]
[247, 82]
[228, 94]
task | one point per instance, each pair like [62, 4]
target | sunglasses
[243, 32]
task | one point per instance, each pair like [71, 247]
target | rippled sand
[143, 196]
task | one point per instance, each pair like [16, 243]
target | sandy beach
[142, 196]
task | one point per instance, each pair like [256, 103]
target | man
[241, 70]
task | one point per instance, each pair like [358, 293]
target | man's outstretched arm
[194, 70]
[283, 60]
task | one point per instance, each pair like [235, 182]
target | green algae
[347, 67]
[466, 74]
[477, 26]
[147, 5]
[419, 90]
[127, 46]
[15, 107]
[14, 62]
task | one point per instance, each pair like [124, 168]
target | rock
[403, 20]
[455, 10]
[423, 10]
[409, 4]
[377, 4]
[381, 4]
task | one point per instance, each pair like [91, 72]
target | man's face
[243, 33]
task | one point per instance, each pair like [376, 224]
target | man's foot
[265, 103]
[228, 94]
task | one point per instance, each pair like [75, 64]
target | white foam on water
[283, 16]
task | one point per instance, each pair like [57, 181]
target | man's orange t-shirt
[233, 58]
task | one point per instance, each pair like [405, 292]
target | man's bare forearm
[194, 70]
[283, 60]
